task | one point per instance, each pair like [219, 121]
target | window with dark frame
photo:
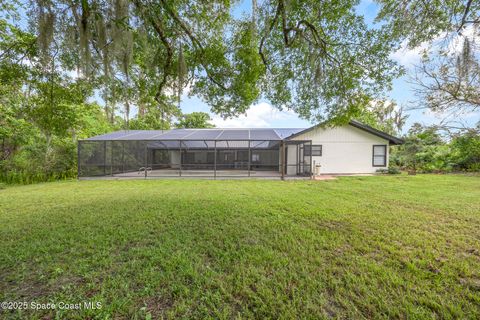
[379, 156]
[313, 150]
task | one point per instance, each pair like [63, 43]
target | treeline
[31, 152]
[426, 150]
[44, 110]
[39, 130]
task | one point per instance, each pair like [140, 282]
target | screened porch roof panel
[216, 134]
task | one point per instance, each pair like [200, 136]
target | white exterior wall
[345, 149]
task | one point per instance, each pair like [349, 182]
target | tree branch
[194, 41]
[465, 14]
[267, 33]
[159, 29]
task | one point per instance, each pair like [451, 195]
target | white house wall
[345, 150]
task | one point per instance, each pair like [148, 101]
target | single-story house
[354, 148]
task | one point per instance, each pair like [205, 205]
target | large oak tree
[318, 58]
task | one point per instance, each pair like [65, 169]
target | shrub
[390, 170]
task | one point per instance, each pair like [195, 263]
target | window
[313, 150]
[379, 156]
[255, 157]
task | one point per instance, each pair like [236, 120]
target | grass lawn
[357, 247]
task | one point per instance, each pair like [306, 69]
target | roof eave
[392, 139]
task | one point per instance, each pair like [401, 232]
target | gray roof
[393, 140]
[216, 134]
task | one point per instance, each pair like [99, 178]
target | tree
[318, 58]
[448, 78]
[43, 110]
[15, 49]
[157, 47]
[450, 82]
[425, 150]
[419, 21]
[384, 115]
[466, 150]
[420, 150]
[321, 58]
[195, 120]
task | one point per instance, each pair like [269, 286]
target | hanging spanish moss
[136, 52]
[126, 52]
[102, 44]
[46, 26]
[85, 35]
[122, 36]
[127, 113]
[182, 73]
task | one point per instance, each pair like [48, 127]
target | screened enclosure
[187, 153]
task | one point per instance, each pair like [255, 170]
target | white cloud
[409, 57]
[258, 116]
[384, 102]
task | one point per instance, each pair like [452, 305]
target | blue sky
[265, 115]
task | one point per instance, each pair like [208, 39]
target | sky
[264, 114]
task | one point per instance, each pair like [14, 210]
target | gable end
[391, 139]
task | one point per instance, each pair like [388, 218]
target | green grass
[357, 247]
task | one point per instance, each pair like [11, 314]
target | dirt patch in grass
[158, 306]
[34, 287]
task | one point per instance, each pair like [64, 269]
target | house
[257, 152]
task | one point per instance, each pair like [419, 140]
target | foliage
[420, 21]
[425, 150]
[383, 115]
[43, 111]
[318, 58]
[154, 119]
[42, 114]
[31, 155]
[194, 120]
[466, 151]
[348, 249]
[390, 170]
[321, 59]
[72, 69]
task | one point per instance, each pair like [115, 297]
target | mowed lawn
[356, 247]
